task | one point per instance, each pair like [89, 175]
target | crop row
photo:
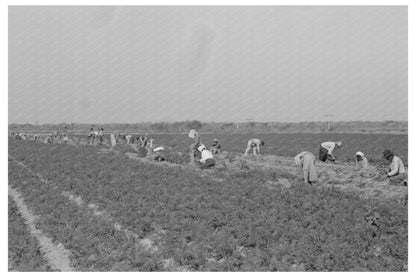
[93, 243]
[290, 145]
[24, 250]
[236, 222]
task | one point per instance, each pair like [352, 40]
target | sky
[125, 64]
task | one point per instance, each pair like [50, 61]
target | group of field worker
[396, 174]
[305, 160]
[46, 138]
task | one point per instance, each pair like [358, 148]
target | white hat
[201, 147]
[160, 148]
[192, 133]
[339, 143]
[359, 154]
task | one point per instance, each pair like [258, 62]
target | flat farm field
[113, 211]
[290, 144]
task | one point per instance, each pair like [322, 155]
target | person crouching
[361, 161]
[215, 147]
[207, 159]
[397, 172]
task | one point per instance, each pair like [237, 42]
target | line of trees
[224, 127]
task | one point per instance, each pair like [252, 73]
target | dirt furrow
[56, 255]
[148, 244]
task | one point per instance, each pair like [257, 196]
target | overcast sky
[270, 63]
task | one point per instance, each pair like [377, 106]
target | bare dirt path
[148, 244]
[56, 255]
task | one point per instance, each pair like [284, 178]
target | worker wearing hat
[397, 172]
[326, 149]
[361, 161]
[158, 154]
[306, 161]
[207, 159]
[215, 147]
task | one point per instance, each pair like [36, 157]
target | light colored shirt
[396, 167]
[205, 155]
[329, 145]
[299, 158]
[254, 142]
[362, 164]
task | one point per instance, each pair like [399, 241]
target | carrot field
[115, 212]
[290, 144]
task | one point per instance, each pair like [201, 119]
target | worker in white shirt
[306, 161]
[361, 161]
[326, 149]
[253, 144]
[397, 172]
[128, 138]
[207, 159]
[65, 139]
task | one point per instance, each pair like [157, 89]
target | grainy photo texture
[208, 138]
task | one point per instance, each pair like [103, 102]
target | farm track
[57, 255]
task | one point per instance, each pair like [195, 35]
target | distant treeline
[396, 127]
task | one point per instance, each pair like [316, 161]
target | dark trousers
[398, 180]
[323, 154]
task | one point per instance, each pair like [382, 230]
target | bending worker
[207, 160]
[194, 146]
[215, 147]
[306, 161]
[397, 172]
[361, 162]
[254, 144]
[326, 149]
